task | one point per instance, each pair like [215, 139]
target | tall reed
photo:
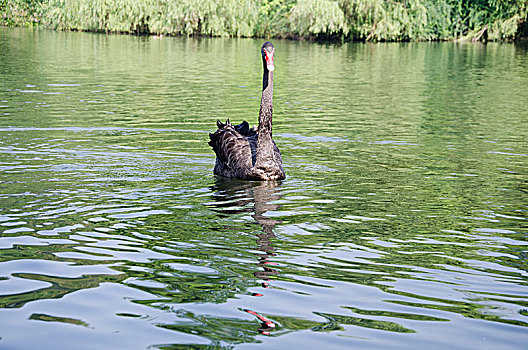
[366, 20]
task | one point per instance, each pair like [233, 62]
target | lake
[402, 222]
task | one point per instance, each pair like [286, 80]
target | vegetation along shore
[361, 20]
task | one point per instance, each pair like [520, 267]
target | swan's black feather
[236, 155]
[243, 129]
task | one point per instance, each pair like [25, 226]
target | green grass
[374, 20]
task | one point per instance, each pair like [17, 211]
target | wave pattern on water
[402, 222]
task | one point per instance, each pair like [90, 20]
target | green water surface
[402, 222]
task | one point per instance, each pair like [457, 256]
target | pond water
[402, 222]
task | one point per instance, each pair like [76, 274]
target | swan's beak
[270, 56]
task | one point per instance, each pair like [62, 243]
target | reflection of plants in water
[412, 247]
[60, 286]
[50, 318]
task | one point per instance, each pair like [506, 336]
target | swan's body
[250, 154]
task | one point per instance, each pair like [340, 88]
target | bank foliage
[373, 20]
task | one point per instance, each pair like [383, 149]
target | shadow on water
[234, 197]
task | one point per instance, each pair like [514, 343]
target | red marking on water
[266, 321]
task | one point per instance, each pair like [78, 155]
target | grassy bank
[375, 20]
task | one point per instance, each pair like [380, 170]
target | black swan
[250, 154]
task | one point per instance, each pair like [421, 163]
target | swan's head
[268, 55]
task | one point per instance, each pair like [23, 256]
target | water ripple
[401, 224]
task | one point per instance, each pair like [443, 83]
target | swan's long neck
[266, 105]
[265, 142]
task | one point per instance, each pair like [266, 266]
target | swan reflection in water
[233, 196]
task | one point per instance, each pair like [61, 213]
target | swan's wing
[234, 154]
[277, 154]
[243, 129]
